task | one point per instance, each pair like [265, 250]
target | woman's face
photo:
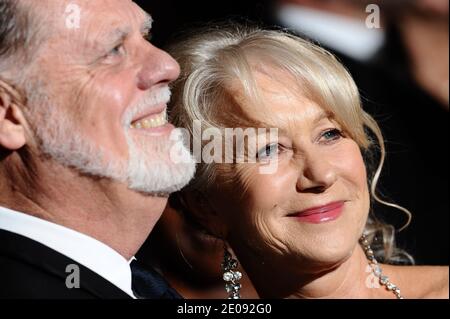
[314, 207]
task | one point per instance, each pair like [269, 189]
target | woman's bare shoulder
[422, 281]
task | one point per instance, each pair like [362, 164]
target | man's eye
[117, 50]
[268, 152]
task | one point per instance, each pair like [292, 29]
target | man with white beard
[85, 166]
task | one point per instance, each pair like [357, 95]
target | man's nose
[316, 175]
[158, 67]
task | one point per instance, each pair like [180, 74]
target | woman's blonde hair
[214, 58]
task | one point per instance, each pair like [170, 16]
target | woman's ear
[199, 207]
[12, 130]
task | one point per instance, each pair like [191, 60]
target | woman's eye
[331, 135]
[269, 151]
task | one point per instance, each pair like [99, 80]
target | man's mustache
[147, 104]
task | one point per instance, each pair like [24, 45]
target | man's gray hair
[14, 36]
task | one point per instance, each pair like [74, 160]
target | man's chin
[151, 169]
[148, 169]
[159, 178]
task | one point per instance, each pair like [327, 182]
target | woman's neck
[351, 279]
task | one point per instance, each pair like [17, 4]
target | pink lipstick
[321, 214]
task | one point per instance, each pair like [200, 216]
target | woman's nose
[317, 174]
[158, 67]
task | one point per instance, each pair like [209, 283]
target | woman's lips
[321, 214]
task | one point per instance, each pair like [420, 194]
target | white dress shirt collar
[83, 249]
[346, 35]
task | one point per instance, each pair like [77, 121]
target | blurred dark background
[174, 16]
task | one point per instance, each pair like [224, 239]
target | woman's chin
[323, 262]
[326, 254]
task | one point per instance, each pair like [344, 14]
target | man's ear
[12, 130]
[199, 207]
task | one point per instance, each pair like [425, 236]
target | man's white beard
[149, 168]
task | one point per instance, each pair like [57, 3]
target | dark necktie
[149, 284]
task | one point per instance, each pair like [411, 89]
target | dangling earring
[230, 275]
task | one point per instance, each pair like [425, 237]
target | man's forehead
[110, 9]
[85, 15]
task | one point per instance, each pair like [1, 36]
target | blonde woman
[303, 230]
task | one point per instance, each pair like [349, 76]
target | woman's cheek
[263, 192]
[349, 164]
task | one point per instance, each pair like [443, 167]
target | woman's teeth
[151, 121]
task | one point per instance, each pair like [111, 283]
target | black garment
[149, 284]
[30, 270]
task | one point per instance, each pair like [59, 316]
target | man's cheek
[116, 90]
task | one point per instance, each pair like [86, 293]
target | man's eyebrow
[118, 34]
[147, 24]
[121, 33]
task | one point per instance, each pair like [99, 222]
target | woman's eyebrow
[320, 116]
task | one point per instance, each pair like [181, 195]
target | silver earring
[230, 275]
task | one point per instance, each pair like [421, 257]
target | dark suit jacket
[30, 270]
